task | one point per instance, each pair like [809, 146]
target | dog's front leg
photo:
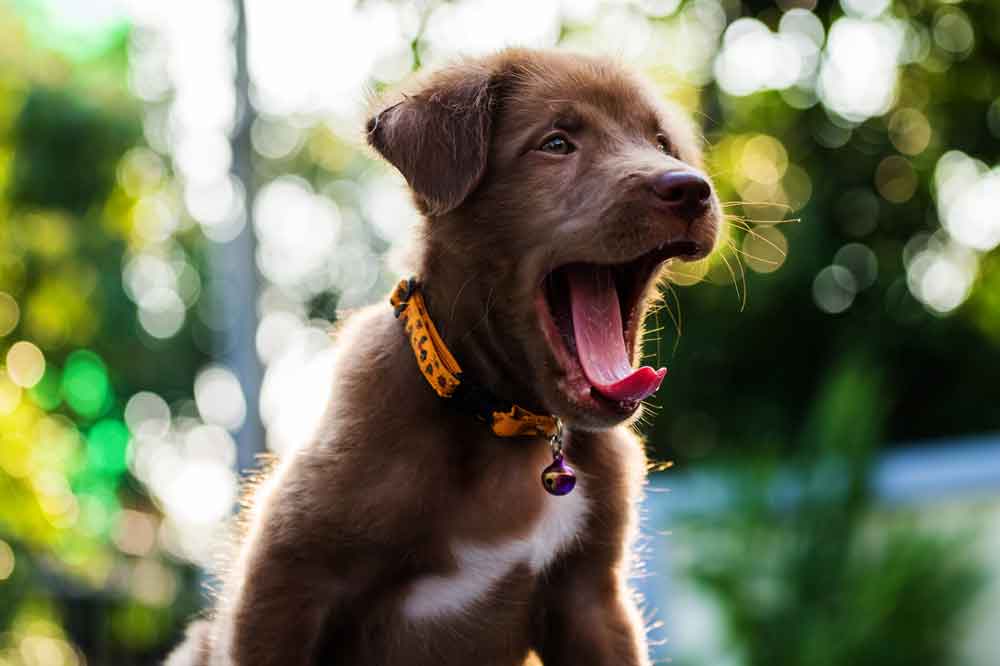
[279, 614]
[587, 618]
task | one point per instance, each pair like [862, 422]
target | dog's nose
[685, 192]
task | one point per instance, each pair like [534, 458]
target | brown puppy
[406, 533]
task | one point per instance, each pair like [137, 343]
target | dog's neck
[460, 306]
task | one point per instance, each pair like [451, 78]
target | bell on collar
[558, 478]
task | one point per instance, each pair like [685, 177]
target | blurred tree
[871, 204]
[809, 573]
[66, 151]
[80, 569]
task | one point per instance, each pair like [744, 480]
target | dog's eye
[662, 144]
[558, 145]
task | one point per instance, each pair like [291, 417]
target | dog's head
[555, 187]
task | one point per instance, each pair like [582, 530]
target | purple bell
[558, 478]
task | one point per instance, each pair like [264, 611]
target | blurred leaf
[814, 580]
[66, 151]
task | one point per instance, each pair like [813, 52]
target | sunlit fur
[397, 491]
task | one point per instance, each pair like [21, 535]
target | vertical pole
[237, 267]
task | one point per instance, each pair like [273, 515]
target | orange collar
[443, 373]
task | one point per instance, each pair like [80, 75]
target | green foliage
[67, 151]
[749, 353]
[65, 496]
[819, 577]
[85, 383]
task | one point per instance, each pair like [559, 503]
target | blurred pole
[236, 266]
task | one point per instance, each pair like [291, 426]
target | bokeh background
[186, 205]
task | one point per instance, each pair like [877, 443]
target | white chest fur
[481, 566]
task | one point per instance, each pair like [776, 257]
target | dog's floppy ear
[439, 137]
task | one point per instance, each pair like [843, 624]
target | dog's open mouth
[592, 311]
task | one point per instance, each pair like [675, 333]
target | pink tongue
[600, 343]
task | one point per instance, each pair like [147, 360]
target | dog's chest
[481, 566]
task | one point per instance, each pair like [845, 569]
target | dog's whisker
[665, 304]
[770, 262]
[484, 319]
[775, 204]
[741, 294]
[458, 295]
[659, 339]
[715, 173]
[699, 112]
[771, 223]
[743, 277]
[766, 241]
[745, 222]
[679, 322]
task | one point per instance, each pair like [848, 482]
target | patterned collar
[444, 375]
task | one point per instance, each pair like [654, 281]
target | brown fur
[345, 525]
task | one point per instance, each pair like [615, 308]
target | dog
[553, 189]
